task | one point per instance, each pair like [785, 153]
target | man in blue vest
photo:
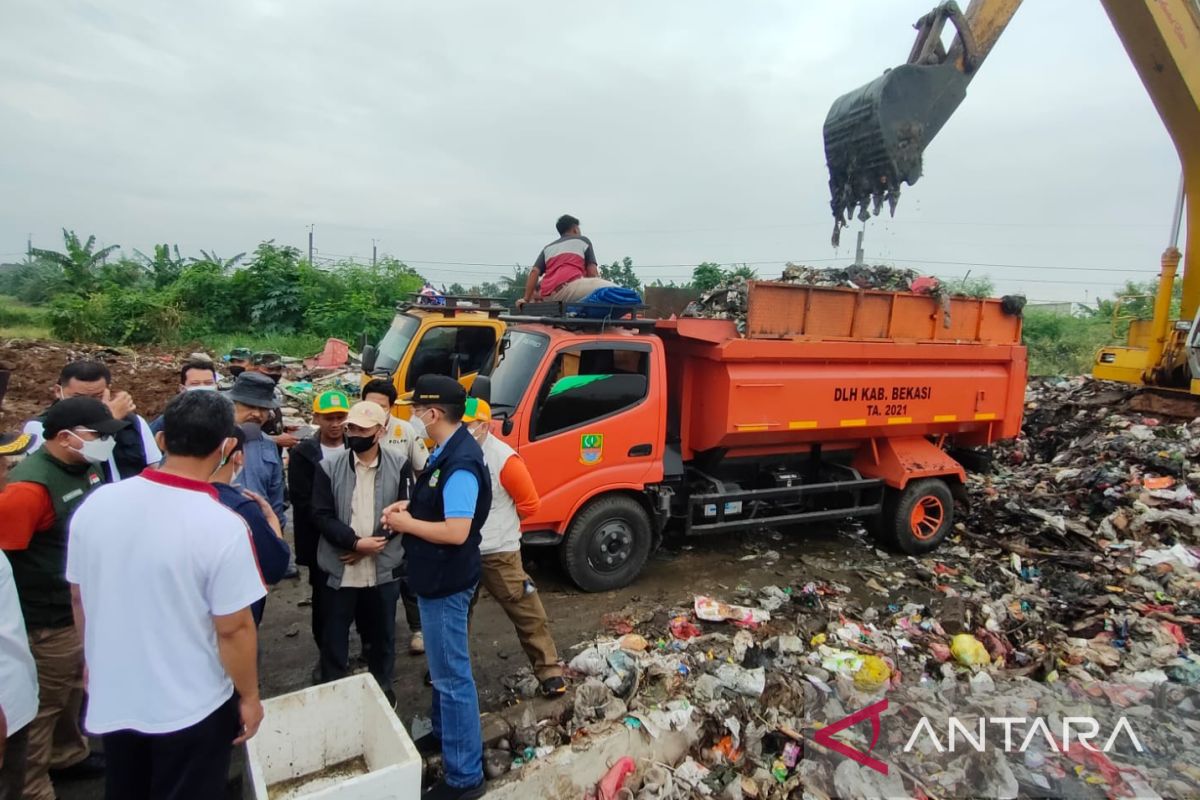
[441, 524]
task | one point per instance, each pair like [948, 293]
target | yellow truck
[448, 335]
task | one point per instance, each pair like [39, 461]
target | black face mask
[274, 378]
[235, 371]
[360, 444]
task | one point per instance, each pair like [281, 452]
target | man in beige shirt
[362, 561]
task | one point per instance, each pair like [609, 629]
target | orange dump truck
[835, 403]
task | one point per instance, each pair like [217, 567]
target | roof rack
[448, 304]
[640, 324]
[582, 316]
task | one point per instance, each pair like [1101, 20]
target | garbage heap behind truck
[835, 403]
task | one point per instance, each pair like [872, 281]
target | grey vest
[343, 478]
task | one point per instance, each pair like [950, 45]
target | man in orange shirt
[43, 492]
[514, 497]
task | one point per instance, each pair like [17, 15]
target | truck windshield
[395, 343]
[520, 354]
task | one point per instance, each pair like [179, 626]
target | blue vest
[440, 570]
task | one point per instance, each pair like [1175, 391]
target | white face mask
[200, 388]
[480, 432]
[419, 427]
[95, 451]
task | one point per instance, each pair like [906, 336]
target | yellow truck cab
[449, 335]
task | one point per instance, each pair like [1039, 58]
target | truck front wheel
[607, 544]
[917, 519]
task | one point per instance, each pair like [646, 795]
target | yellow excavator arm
[875, 139]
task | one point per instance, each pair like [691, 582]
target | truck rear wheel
[917, 519]
[607, 544]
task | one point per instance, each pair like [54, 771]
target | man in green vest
[43, 492]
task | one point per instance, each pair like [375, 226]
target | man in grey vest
[360, 560]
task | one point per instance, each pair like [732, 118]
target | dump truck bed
[839, 366]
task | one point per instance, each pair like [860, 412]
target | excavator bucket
[875, 135]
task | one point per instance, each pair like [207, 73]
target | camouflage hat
[331, 402]
[239, 354]
[267, 359]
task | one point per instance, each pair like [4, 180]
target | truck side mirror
[369, 356]
[506, 427]
[482, 388]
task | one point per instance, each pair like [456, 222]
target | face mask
[360, 444]
[201, 388]
[480, 432]
[419, 427]
[235, 371]
[96, 451]
[274, 378]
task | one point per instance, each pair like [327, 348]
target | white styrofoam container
[306, 732]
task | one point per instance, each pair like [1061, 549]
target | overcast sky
[679, 131]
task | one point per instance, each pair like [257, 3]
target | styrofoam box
[305, 733]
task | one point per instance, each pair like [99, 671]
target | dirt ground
[675, 573]
[151, 377]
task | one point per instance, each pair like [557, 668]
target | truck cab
[586, 409]
[445, 335]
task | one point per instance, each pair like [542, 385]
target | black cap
[254, 389]
[80, 412]
[436, 390]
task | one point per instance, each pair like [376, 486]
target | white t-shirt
[156, 557]
[18, 675]
[149, 446]
[328, 452]
[401, 436]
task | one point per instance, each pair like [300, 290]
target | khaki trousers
[504, 578]
[55, 739]
[574, 291]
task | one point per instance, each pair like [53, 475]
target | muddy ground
[682, 568]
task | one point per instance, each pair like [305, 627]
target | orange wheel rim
[927, 517]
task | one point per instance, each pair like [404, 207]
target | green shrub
[116, 317]
[1060, 344]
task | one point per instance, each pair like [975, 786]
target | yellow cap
[477, 410]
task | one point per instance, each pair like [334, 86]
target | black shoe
[444, 791]
[428, 678]
[292, 572]
[428, 745]
[391, 699]
[553, 687]
[87, 769]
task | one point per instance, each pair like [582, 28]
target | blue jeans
[455, 700]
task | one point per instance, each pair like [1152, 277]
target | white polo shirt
[156, 557]
[18, 675]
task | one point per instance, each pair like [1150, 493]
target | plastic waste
[750, 682]
[872, 674]
[615, 778]
[711, 610]
[969, 651]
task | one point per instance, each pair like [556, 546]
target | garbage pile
[1069, 593]
[729, 299]
[759, 679]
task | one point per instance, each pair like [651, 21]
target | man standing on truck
[442, 527]
[513, 498]
[567, 267]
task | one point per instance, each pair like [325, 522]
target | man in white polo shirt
[163, 577]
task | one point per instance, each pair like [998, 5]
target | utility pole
[310, 245]
[858, 250]
[374, 252]
[29, 247]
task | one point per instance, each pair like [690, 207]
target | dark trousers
[412, 612]
[191, 763]
[12, 773]
[317, 580]
[373, 609]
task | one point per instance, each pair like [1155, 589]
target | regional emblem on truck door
[591, 448]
